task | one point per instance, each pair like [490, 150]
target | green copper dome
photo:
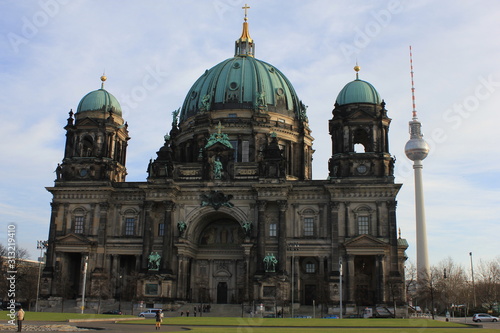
[242, 82]
[99, 100]
[358, 91]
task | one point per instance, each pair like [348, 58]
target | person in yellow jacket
[20, 318]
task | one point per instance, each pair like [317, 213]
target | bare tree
[488, 283]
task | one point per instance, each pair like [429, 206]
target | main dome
[358, 91]
[99, 100]
[241, 82]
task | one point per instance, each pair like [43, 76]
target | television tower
[417, 149]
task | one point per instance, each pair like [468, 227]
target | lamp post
[293, 247]
[340, 270]
[84, 281]
[40, 245]
[472, 273]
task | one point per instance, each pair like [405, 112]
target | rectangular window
[129, 226]
[245, 151]
[363, 225]
[161, 229]
[308, 226]
[310, 267]
[79, 222]
[272, 230]
[234, 143]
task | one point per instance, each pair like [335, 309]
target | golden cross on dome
[245, 8]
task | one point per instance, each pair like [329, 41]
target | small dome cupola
[100, 100]
[358, 91]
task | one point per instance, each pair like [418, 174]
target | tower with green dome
[96, 140]
[360, 135]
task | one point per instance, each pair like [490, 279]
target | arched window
[87, 147]
[130, 219]
[79, 220]
[309, 221]
[363, 219]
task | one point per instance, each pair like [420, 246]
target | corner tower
[359, 132]
[96, 140]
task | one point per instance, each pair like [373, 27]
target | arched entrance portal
[219, 266]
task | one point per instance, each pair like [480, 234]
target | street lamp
[41, 245]
[293, 247]
[84, 281]
[472, 272]
[340, 270]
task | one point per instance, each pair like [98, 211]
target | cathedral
[229, 212]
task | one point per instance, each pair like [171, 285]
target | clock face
[362, 168]
[83, 172]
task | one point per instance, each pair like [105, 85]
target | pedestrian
[182, 313]
[158, 317]
[187, 313]
[20, 318]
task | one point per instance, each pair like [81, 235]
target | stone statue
[270, 262]
[175, 117]
[205, 103]
[217, 169]
[58, 172]
[181, 226]
[154, 261]
[247, 227]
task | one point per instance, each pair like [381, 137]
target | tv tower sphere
[416, 149]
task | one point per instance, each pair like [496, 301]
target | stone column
[334, 232]
[282, 235]
[379, 219]
[167, 247]
[347, 219]
[393, 240]
[180, 277]
[261, 225]
[52, 234]
[350, 278]
[147, 244]
[380, 278]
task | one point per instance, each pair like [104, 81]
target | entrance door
[309, 294]
[222, 293]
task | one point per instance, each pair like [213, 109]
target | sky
[53, 52]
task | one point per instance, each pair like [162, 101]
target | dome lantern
[244, 46]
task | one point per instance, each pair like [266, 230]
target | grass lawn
[275, 325]
[58, 316]
[272, 325]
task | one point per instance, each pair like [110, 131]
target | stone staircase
[237, 310]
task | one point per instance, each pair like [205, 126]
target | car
[151, 313]
[113, 312]
[479, 317]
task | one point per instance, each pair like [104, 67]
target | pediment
[87, 121]
[72, 239]
[361, 114]
[365, 241]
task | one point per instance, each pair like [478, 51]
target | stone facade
[230, 188]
